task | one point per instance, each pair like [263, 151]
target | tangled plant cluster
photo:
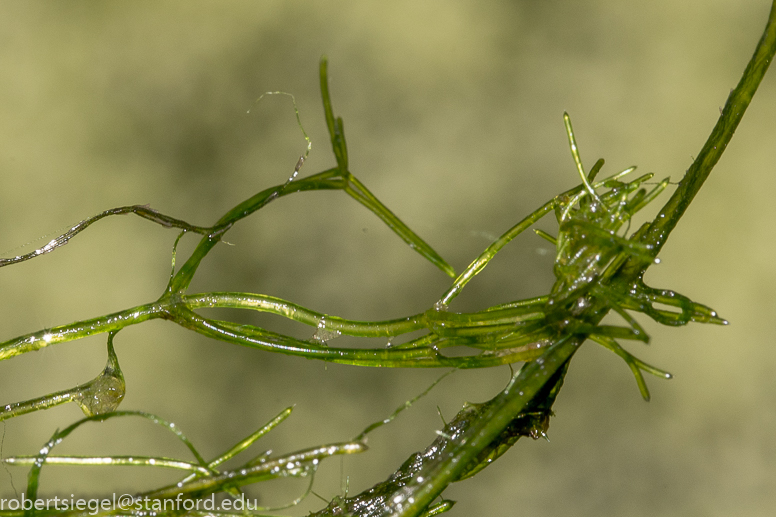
[599, 268]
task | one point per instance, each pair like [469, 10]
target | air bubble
[105, 393]
[324, 334]
[440, 307]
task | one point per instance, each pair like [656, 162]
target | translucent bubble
[105, 393]
[323, 334]
[440, 307]
[102, 395]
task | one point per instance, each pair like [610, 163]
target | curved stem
[273, 305]
[398, 357]
[145, 212]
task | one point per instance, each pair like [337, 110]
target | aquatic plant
[599, 268]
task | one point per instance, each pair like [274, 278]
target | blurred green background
[453, 117]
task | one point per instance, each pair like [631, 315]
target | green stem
[143, 211]
[415, 357]
[485, 257]
[80, 329]
[326, 180]
[273, 305]
[510, 402]
[735, 107]
[299, 464]
[37, 404]
[116, 461]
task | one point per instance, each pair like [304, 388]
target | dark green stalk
[735, 107]
[484, 429]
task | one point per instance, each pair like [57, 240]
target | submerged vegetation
[599, 266]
